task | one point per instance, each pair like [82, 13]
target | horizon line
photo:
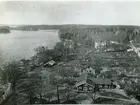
[71, 24]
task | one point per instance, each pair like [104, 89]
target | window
[106, 86]
[80, 88]
[85, 88]
[114, 86]
[90, 88]
[100, 86]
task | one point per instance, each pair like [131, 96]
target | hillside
[105, 49]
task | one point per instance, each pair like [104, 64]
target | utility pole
[94, 94]
[58, 99]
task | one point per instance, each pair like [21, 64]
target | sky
[64, 12]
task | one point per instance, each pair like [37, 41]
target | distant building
[50, 63]
[69, 44]
[99, 44]
[89, 70]
[89, 84]
[104, 69]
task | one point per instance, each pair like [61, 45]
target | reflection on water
[21, 44]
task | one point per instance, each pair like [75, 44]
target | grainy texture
[55, 53]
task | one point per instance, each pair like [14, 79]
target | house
[87, 83]
[89, 70]
[50, 63]
[104, 69]
[100, 44]
[69, 44]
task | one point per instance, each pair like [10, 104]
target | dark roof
[82, 77]
[101, 81]
[91, 80]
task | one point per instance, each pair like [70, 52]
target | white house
[50, 63]
[99, 44]
[89, 70]
[104, 69]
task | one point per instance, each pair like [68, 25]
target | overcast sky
[45, 12]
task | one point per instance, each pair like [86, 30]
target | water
[21, 44]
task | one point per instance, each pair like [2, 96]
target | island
[4, 29]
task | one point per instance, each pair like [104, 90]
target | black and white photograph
[69, 52]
